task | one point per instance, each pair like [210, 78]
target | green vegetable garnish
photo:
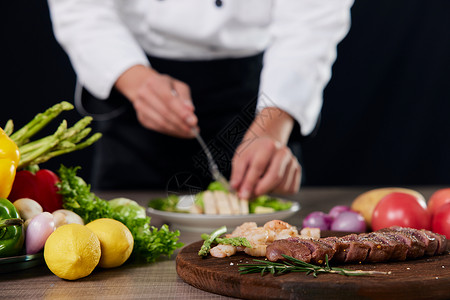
[166, 204]
[204, 250]
[267, 201]
[234, 241]
[149, 242]
[216, 186]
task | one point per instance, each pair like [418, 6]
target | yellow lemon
[116, 241]
[72, 251]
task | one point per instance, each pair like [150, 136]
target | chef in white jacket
[249, 74]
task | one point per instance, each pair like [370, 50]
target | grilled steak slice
[291, 247]
[399, 249]
[379, 250]
[318, 250]
[340, 247]
[442, 242]
[357, 250]
[430, 242]
[416, 248]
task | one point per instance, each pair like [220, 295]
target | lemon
[116, 241]
[72, 251]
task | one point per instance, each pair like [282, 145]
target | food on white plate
[388, 244]
[27, 208]
[251, 239]
[216, 200]
[222, 203]
[366, 202]
[65, 216]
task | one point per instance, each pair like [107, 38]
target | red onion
[349, 221]
[318, 219]
[39, 229]
[336, 210]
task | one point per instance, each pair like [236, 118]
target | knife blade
[213, 168]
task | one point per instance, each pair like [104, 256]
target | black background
[385, 119]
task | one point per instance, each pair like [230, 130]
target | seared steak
[318, 250]
[416, 247]
[442, 243]
[399, 248]
[291, 247]
[393, 243]
[357, 250]
[379, 250]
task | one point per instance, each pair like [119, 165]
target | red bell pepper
[39, 186]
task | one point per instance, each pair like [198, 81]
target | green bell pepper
[11, 229]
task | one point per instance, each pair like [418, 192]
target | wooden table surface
[158, 280]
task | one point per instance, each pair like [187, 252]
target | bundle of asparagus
[63, 140]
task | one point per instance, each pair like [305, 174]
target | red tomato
[441, 220]
[401, 209]
[437, 199]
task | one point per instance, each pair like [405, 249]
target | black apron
[129, 156]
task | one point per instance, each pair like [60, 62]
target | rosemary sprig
[296, 265]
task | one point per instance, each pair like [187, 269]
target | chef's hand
[162, 103]
[263, 163]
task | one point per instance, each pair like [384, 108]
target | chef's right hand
[162, 103]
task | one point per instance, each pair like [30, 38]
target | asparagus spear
[64, 140]
[22, 135]
[204, 250]
[233, 241]
[43, 158]
[43, 145]
[9, 127]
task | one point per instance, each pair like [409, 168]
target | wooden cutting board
[425, 278]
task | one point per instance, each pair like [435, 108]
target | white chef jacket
[103, 38]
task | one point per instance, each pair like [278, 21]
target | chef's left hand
[263, 163]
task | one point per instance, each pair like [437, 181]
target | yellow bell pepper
[9, 160]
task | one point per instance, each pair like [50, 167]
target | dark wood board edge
[426, 278]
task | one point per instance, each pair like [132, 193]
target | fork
[213, 168]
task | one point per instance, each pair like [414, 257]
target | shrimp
[257, 250]
[222, 251]
[258, 239]
[286, 233]
[257, 236]
[308, 232]
[242, 229]
[276, 225]
[279, 230]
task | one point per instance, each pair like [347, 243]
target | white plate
[207, 223]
